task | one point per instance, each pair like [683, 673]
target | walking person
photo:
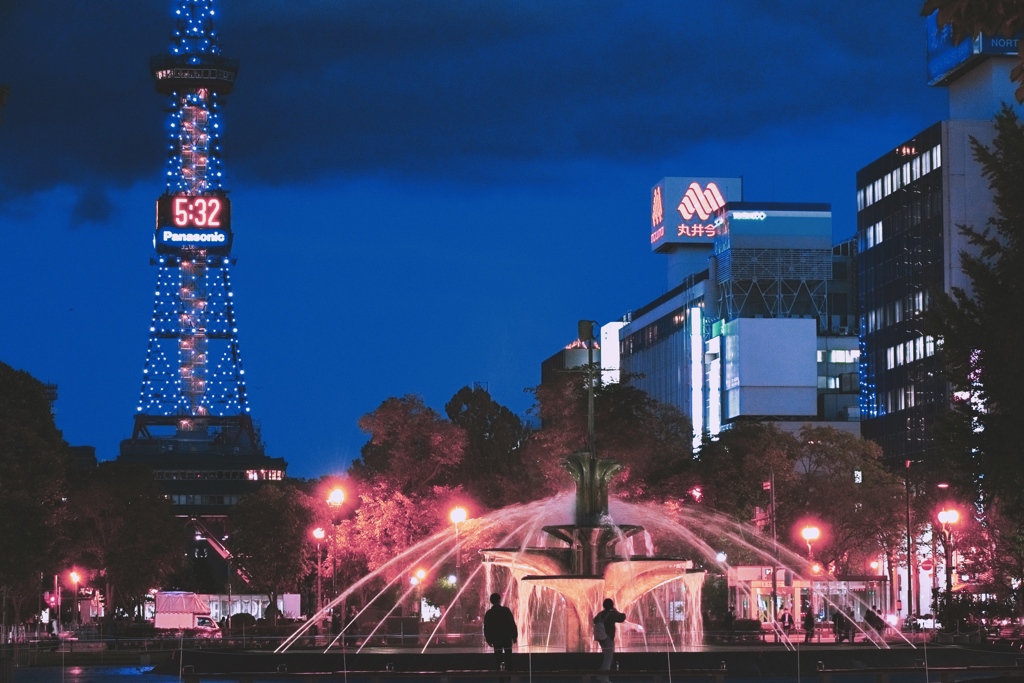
[808, 625]
[604, 634]
[839, 625]
[500, 631]
[786, 619]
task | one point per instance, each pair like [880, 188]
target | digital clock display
[186, 223]
[197, 212]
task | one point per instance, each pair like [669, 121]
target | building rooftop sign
[947, 62]
[682, 210]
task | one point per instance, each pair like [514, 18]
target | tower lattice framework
[193, 366]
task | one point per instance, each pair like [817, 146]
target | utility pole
[775, 547]
[586, 334]
[910, 548]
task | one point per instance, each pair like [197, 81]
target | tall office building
[763, 325]
[910, 202]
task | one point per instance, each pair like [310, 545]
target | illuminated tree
[991, 17]
[842, 482]
[411, 447]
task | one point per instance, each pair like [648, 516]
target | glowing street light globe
[810, 533]
[319, 533]
[949, 517]
[421, 574]
[458, 515]
[336, 498]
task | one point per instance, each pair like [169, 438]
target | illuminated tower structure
[192, 423]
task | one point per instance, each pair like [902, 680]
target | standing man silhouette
[609, 616]
[500, 630]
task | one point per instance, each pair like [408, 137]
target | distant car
[206, 627]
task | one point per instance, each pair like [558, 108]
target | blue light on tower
[193, 364]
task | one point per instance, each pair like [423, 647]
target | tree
[270, 538]
[992, 17]
[843, 484]
[733, 468]
[981, 331]
[33, 468]
[411, 446]
[652, 441]
[124, 528]
[491, 470]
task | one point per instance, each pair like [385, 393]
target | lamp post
[586, 334]
[334, 500]
[947, 518]
[458, 516]
[810, 534]
[318, 534]
[75, 578]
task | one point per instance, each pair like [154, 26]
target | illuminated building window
[936, 156]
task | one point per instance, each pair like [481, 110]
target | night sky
[425, 194]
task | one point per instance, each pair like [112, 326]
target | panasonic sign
[174, 239]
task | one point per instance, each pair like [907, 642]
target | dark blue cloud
[448, 88]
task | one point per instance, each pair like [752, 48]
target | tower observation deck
[192, 421]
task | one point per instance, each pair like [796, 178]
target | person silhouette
[786, 619]
[500, 630]
[608, 617]
[808, 625]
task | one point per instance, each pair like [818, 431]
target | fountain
[593, 561]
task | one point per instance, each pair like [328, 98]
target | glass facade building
[910, 202]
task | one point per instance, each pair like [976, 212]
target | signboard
[946, 60]
[683, 209]
[193, 222]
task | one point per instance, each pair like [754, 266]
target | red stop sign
[927, 565]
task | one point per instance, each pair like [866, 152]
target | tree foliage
[33, 467]
[124, 529]
[653, 441]
[411, 447]
[491, 470]
[815, 484]
[992, 17]
[982, 332]
[270, 538]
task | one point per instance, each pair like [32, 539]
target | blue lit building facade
[192, 424]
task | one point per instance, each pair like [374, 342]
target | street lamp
[458, 516]
[947, 518]
[318, 534]
[334, 500]
[75, 578]
[809, 534]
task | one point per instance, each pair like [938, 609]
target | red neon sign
[703, 203]
[657, 211]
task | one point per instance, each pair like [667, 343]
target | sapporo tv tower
[192, 425]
